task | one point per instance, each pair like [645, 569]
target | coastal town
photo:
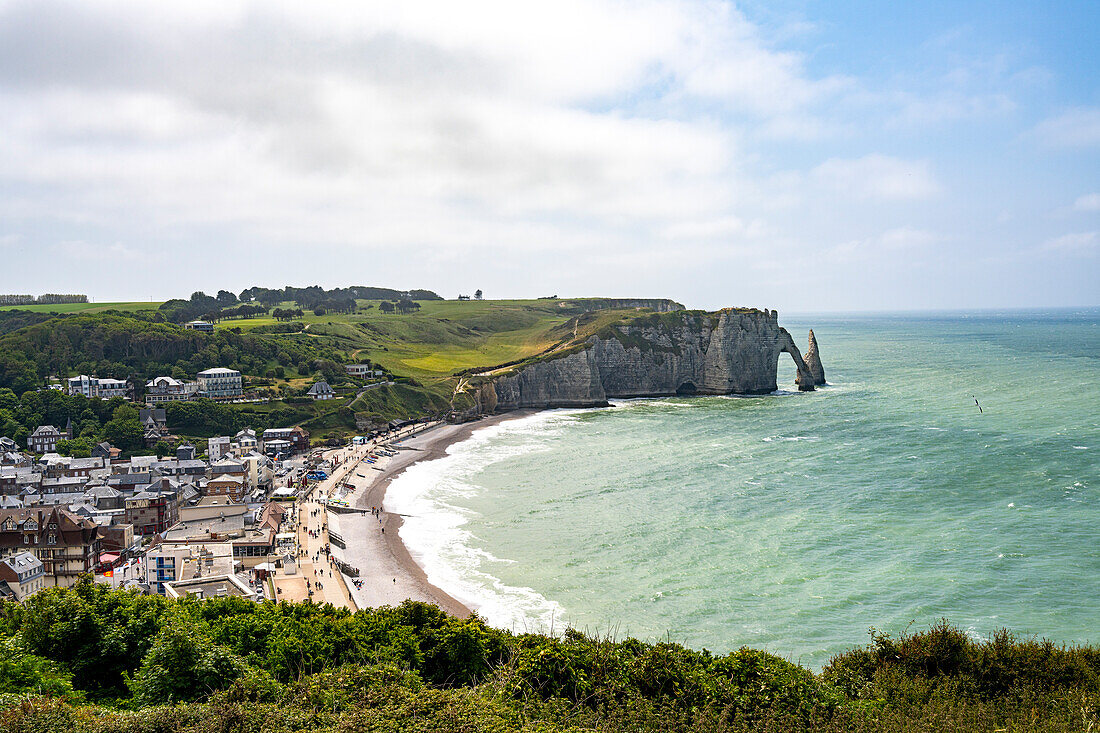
[235, 515]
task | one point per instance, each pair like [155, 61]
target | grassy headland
[430, 351]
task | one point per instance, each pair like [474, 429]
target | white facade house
[167, 389]
[220, 384]
[104, 388]
[362, 370]
[218, 447]
[23, 573]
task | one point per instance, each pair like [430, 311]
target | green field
[441, 338]
[86, 307]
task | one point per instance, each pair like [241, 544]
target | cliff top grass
[91, 659]
[440, 338]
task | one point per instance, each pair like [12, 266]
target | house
[321, 391]
[104, 388]
[203, 326]
[104, 497]
[152, 435]
[217, 447]
[298, 438]
[106, 451]
[220, 384]
[168, 389]
[245, 441]
[152, 511]
[154, 416]
[362, 371]
[185, 452]
[258, 470]
[67, 544]
[23, 573]
[7, 445]
[44, 439]
[228, 485]
[276, 447]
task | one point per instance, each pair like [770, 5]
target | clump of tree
[287, 314]
[405, 305]
[242, 311]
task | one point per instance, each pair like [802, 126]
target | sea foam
[434, 528]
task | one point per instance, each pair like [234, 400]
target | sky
[804, 156]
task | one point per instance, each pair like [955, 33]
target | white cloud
[878, 177]
[1078, 128]
[1075, 243]
[1089, 202]
[531, 137]
[909, 240]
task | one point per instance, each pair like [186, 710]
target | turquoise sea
[795, 522]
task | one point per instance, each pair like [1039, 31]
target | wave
[434, 532]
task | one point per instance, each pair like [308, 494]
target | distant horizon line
[940, 310]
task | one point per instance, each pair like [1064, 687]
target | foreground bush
[232, 665]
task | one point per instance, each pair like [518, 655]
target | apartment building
[103, 388]
[220, 384]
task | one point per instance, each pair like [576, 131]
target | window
[26, 539]
[52, 539]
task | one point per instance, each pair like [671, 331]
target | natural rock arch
[687, 388]
[804, 379]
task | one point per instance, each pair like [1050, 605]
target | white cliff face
[728, 352]
[813, 361]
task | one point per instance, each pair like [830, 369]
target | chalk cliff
[813, 362]
[732, 351]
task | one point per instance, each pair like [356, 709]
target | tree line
[47, 299]
[312, 298]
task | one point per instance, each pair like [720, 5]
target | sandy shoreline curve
[387, 571]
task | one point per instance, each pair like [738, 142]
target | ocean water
[795, 522]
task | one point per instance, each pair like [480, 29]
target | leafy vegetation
[136, 345]
[226, 664]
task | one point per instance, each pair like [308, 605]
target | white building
[167, 389]
[104, 388]
[362, 370]
[218, 447]
[220, 384]
[23, 573]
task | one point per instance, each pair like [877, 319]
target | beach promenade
[385, 577]
[311, 525]
[388, 574]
